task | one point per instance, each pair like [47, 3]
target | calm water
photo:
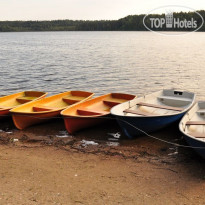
[132, 62]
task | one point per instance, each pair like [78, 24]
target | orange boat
[11, 101]
[45, 109]
[92, 112]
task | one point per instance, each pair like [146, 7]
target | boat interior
[55, 102]
[8, 102]
[98, 106]
[194, 121]
[166, 102]
[62, 102]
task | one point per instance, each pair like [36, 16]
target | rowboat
[192, 126]
[152, 112]
[92, 112]
[11, 101]
[44, 109]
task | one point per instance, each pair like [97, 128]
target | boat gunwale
[69, 116]
[13, 112]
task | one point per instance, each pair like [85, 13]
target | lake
[101, 62]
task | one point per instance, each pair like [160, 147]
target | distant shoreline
[128, 23]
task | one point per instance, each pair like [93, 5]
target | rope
[165, 141]
[111, 118]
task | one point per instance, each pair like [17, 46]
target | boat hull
[4, 114]
[195, 143]
[133, 127]
[74, 124]
[23, 121]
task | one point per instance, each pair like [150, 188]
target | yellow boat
[47, 108]
[92, 112]
[11, 101]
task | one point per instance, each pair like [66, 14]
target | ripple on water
[134, 62]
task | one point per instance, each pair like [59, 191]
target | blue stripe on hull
[147, 124]
[196, 143]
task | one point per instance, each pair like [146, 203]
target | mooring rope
[165, 141]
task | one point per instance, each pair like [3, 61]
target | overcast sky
[83, 9]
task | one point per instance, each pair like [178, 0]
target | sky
[84, 9]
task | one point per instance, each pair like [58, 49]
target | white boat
[192, 126]
[152, 112]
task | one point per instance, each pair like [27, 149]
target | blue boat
[152, 112]
[192, 127]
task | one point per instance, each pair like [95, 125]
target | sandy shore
[47, 166]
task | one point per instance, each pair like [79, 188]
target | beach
[44, 165]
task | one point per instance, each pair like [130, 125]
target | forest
[128, 23]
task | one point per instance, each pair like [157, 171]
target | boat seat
[43, 108]
[174, 98]
[111, 103]
[138, 112]
[197, 135]
[201, 111]
[25, 99]
[87, 111]
[195, 123]
[160, 106]
[72, 99]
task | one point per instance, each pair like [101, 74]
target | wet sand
[48, 166]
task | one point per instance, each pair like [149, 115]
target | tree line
[129, 23]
